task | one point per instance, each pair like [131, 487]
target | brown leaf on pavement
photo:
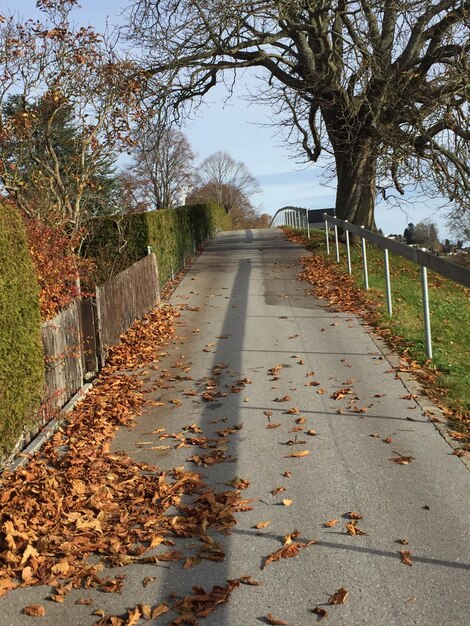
[34, 610]
[287, 502]
[353, 529]
[286, 552]
[262, 524]
[201, 603]
[287, 474]
[287, 540]
[293, 411]
[353, 515]
[339, 597]
[277, 490]
[331, 523]
[248, 580]
[298, 454]
[269, 426]
[283, 399]
[320, 612]
[405, 556]
[401, 460]
[275, 620]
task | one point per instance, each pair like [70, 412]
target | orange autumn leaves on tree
[57, 266]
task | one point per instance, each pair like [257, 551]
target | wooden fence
[125, 298]
[75, 340]
[61, 339]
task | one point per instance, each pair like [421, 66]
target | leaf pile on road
[76, 499]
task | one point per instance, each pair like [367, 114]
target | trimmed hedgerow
[172, 234]
[21, 351]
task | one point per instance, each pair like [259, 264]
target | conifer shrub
[21, 351]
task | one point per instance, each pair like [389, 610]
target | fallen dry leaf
[287, 474]
[34, 610]
[298, 454]
[287, 502]
[248, 580]
[402, 460]
[275, 620]
[405, 556]
[353, 529]
[277, 490]
[287, 539]
[286, 552]
[269, 426]
[339, 597]
[353, 515]
[331, 523]
[311, 432]
[262, 524]
[320, 612]
[283, 399]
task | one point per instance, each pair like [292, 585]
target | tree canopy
[382, 85]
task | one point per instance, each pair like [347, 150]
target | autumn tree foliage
[67, 101]
[380, 85]
[59, 270]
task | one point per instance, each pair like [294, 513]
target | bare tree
[164, 160]
[459, 225]
[223, 180]
[382, 85]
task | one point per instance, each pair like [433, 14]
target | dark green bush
[21, 351]
[117, 242]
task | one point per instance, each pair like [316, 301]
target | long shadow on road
[208, 573]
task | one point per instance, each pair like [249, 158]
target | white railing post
[327, 237]
[427, 316]
[364, 260]
[388, 288]
[348, 249]
[336, 244]
[308, 224]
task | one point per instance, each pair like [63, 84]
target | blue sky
[236, 126]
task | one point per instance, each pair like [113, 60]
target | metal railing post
[388, 288]
[364, 260]
[327, 238]
[308, 224]
[348, 249]
[427, 316]
[336, 244]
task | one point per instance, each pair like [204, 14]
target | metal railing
[421, 257]
[300, 218]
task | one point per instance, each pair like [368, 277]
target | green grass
[450, 314]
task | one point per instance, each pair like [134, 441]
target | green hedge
[118, 242]
[21, 351]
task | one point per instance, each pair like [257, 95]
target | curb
[36, 444]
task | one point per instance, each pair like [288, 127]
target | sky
[240, 128]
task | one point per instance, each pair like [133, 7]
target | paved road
[245, 285]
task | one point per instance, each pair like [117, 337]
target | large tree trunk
[356, 190]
